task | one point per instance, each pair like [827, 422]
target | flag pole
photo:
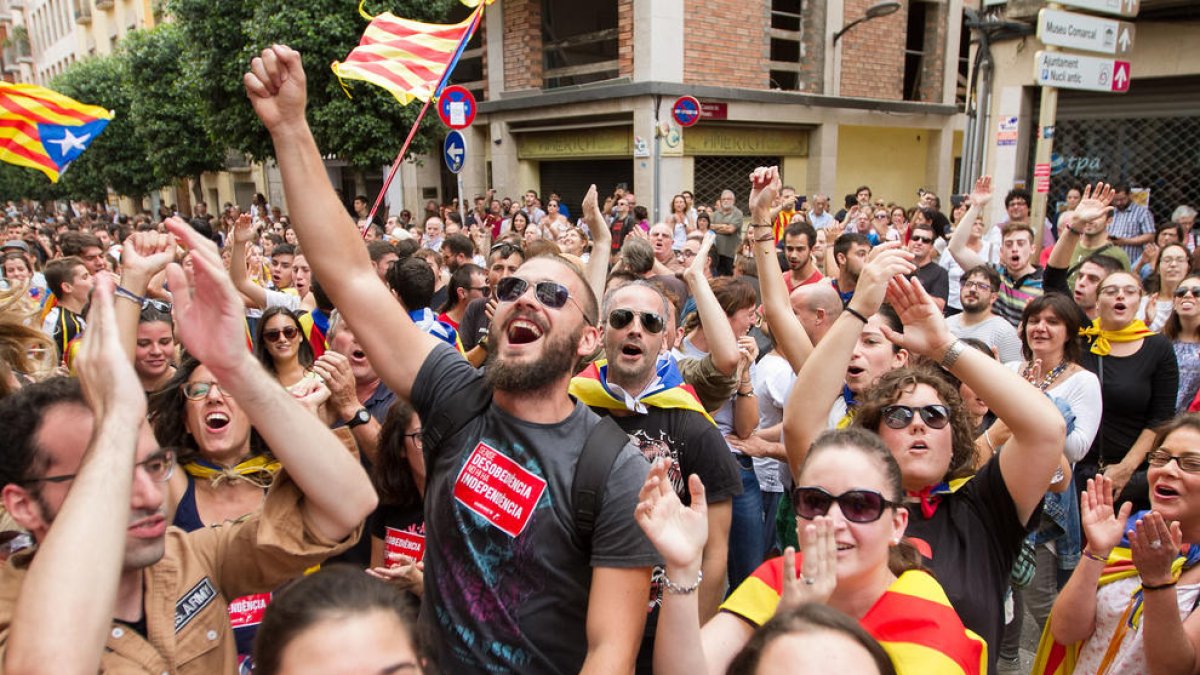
[416, 123]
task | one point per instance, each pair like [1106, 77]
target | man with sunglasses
[507, 584]
[933, 277]
[82, 472]
[640, 387]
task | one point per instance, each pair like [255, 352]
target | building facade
[576, 93]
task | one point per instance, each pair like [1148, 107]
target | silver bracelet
[676, 589]
[954, 351]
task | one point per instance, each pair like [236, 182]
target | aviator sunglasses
[900, 416]
[550, 293]
[652, 322]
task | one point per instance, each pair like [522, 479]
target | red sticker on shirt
[398, 543]
[248, 610]
[498, 489]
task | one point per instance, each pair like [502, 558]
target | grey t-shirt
[506, 584]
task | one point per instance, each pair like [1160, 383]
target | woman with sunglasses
[969, 532]
[1169, 270]
[1115, 617]
[283, 348]
[1139, 380]
[1183, 329]
[398, 525]
[851, 524]
[881, 229]
[154, 354]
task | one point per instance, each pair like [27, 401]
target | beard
[558, 358]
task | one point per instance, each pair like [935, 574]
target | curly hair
[892, 385]
[167, 411]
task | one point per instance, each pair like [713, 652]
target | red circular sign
[456, 107]
[686, 111]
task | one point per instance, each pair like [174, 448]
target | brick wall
[873, 54]
[625, 37]
[522, 44]
[933, 65]
[725, 43]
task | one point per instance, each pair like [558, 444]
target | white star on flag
[70, 142]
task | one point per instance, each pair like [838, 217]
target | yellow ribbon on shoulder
[1102, 339]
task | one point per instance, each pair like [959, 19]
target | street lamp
[883, 8]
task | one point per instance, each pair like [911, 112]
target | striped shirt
[1134, 221]
[1016, 293]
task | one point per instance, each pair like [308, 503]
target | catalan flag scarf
[932, 495]
[913, 621]
[1102, 339]
[667, 391]
[1053, 658]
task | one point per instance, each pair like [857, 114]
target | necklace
[1049, 378]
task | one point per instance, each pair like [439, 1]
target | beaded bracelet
[676, 589]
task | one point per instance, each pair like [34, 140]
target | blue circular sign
[456, 107]
[686, 111]
[454, 151]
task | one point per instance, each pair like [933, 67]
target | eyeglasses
[416, 437]
[1114, 291]
[195, 391]
[506, 249]
[857, 506]
[1160, 458]
[158, 466]
[686, 253]
[923, 240]
[977, 285]
[935, 416]
[652, 322]
[485, 290]
[273, 334]
[881, 216]
[1171, 259]
[550, 293]
[1184, 291]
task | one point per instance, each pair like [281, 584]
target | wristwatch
[360, 418]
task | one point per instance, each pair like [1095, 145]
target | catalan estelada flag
[667, 391]
[408, 58]
[913, 621]
[44, 130]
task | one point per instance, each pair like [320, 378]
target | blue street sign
[454, 151]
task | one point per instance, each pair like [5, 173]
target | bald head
[817, 306]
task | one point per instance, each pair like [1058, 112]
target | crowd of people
[533, 441]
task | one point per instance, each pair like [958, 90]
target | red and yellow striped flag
[408, 58]
[44, 130]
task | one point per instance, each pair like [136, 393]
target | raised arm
[1091, 207]
[143, 256]
[786, 330]
[210, 323]
[722, 343]
[59, 596]
[819, 381]
[981, 196]
[1031, 456]
[395, 346]
[243, 233]
[597, 264]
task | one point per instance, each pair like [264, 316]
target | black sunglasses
[550, 293]
[272, 334]
[1184, 291]
[923, 240]
[935, 416]
[857, 506]
[506, 249]
[652, 322]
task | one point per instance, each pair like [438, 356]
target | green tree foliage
[224, 35]
[117, 158]
[166, 113]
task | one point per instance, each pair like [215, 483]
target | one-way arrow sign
[454, 151]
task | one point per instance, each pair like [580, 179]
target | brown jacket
[187, 591]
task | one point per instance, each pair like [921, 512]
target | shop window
[713, 175]
[786, 48]
[579, 42]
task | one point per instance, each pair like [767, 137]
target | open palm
[678, 532]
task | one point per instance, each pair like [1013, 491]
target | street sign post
[454, 151]
[456, 107]
[1088, 73]
[1082, 31]
[686, 111]
[1125, 8]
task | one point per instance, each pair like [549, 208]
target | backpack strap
[1075, 268]
[604, 443]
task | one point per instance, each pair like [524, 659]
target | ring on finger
[1156, 544]
[808, 581]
